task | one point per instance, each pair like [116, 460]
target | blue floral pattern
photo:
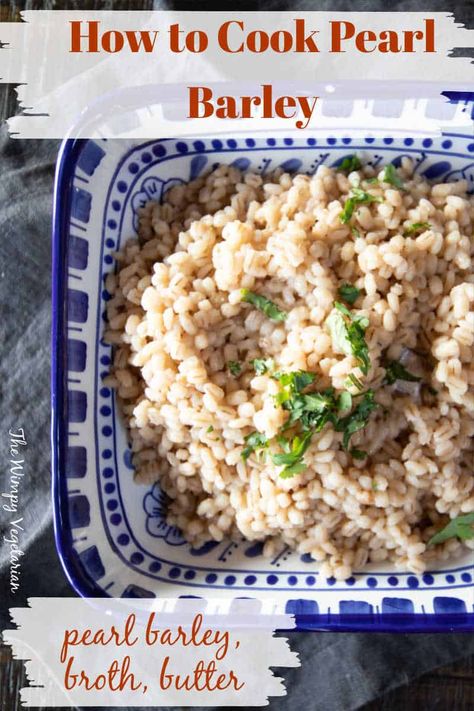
[155, 504]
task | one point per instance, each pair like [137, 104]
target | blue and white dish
[111, 533]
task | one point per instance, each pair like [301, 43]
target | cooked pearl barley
[176, 319]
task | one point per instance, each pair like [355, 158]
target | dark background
[340, 672]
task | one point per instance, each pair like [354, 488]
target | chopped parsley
[354, 380]
[313, 410]
[461, 527]
[284, 443]
[349, 164]
[264, 305]
[292, 460]
[394, 371]
[235, 367]
[372, 181]
[348, 293]
[292, 383]
[263, 365]
[348, 334]
[210, 429]
[308, 413]
[416, 227]
[356, 197]
[391, 177]
[358, 453]
[357, 419]
[254, 441]
[344, 401]
[310, 410]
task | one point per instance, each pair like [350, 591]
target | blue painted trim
[82, 583]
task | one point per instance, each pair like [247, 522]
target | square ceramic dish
[112, 535]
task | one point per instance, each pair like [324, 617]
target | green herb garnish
[461, 527]
[358, 453]
[348, 293]
[235, 367]
[349, 164]
[372, 181]
[356, 197]
[313, 410]
[210, 429]
[263, 365]
[284, 443]
[416, 227]
[391, 177]
[348, 334]
[292, 383]
[344, 401]
[254, 441]
[354, 380]
[292, 460]
[310, 410]
[357, 419]
[394, 371]
[356, 232]
[264, 305]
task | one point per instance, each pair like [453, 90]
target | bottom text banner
[119, 652]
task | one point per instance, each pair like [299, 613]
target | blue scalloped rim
[395, 613]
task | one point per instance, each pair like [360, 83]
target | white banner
[66, 61]
[118, 652]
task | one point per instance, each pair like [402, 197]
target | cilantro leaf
[349, 164]
[338, 329]
[292, 461]
[284, 443]
[348, 334]
[394, 371]
[344, 401]
[315, 409]
[292, 383]
[311, 410]
[461, 527]
[356, 197]
[264, 305]
[391, 177]
[235, 367]
[357, 419]
[254, 441]
[290, 471]
[416, 227]
[354, 380]
[295, 380]
[358, 453]
[263, 365]
[348, 293]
